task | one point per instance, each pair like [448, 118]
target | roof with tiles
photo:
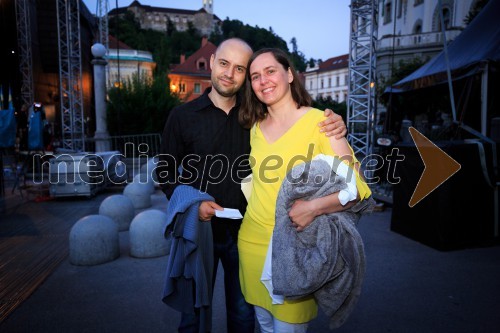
[190, 65]
[334, 63]
[115, 43]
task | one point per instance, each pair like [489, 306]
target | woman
[283, 134]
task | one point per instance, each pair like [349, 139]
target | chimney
[183, 58]
[204, 41]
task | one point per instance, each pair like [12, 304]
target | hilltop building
[159, 18]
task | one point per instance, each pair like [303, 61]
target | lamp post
[101, 136]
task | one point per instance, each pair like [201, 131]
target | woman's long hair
[252, 110]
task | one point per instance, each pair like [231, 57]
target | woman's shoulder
[315, 113]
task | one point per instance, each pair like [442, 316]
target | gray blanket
[326, 259]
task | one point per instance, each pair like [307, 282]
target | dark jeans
[240, 314]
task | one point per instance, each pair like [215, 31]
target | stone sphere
[149, 168]
[139, 194]
[146, 234]
[93, 240]
[120, 209]
[98, 50]
[144, 179]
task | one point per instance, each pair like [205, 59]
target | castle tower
[208, 5]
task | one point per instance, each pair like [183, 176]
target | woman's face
[270, 81]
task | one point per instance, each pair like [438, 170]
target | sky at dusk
[321, 27]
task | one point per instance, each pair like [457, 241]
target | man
[204, 138]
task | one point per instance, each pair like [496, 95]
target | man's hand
[207, 210]
[333, 125]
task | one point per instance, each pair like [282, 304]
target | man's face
[228, 66]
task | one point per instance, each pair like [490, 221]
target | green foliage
[258, 38]
[298, 58]
[140, 106]
[478, 6]
[323, 103]
[166, 47]
[399, 72]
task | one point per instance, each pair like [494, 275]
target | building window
[417, 31]
[337, 81]
[337, 98]
[182, 87]
[388, 12]
[197, 88]
[399, 3]
[345, 97]
[202, 65]
[321, 83]
[310, 85]
[446, 19]
[329, 82]
[346, 80]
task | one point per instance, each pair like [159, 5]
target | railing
[131, 145]
[416, 40]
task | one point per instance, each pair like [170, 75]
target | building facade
[328, 79]
[125, 62]
[412, 28]
[159, 18]
[191, 77]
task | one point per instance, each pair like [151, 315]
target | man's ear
[212, 59]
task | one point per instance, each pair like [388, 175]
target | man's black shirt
[212, 148]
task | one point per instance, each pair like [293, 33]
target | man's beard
[223, 91]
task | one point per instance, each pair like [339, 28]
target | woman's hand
[333, 125]
[302, 214]
[207, 210]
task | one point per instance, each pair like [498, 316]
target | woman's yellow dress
[272, 161]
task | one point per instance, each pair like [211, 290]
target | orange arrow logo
[438, 167]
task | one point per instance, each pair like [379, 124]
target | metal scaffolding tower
[25, 54]
[362, 76]
[102, 14]
[70, 74]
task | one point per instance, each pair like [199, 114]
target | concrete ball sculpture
[143, 178]
[139, 194]
[146, 233]
[93, 240]
[120, 209]
[149, 168]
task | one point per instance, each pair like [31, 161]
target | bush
[140, 106]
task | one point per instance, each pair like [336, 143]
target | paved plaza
[408, 287]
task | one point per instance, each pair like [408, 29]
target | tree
[398, 72]
[140, 106]
[478, 6]
[323, 103]
[298, 58]
[256, 37]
